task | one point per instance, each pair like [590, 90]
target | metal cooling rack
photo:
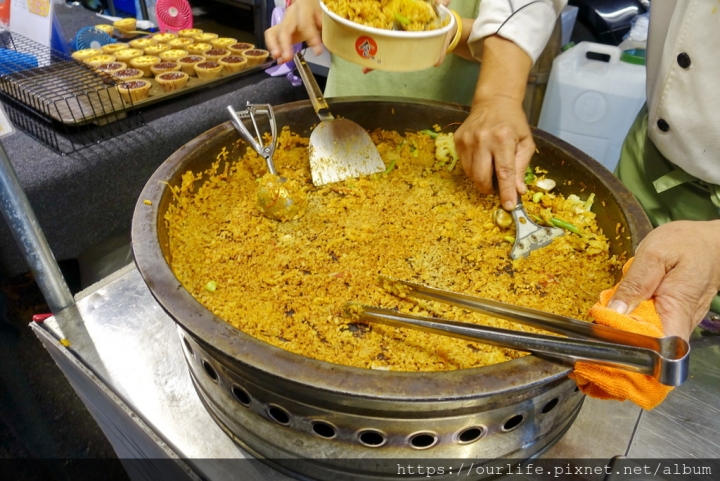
[60, 102]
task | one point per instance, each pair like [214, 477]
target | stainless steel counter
[125, 360]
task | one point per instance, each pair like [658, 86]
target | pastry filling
[128, 72]
[233, 59]
[172, 76]
[110, 66]
[208, 65]
[135, 84]
[191, 59]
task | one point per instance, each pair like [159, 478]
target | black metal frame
[62, 103]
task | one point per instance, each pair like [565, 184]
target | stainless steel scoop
[665, 359]
[274, 199]
[257, 144]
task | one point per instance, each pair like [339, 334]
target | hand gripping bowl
[379, 49]
[327, 421]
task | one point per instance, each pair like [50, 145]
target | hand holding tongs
[665, 359]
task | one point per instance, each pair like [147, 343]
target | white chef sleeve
[527, 23]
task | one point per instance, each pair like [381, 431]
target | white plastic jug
[594, 93]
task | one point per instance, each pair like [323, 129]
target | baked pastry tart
[127, 54]
[240, 47]
[222, 42]
[198, 48]
[112, 48]
[164, 37]
[157, 49]
[89, 52]
[216, 54]
[233, 63]
[187, 64]
[205, 37]
[111, 68]
[128, 74]
[208, 70]
[164, 67]
[99, 60]
[125, 24]
[255, 56]
[134, 90]
[173, 55]
[144, 62]
[171, 81]
[189, 32]
[180, 42]
[142, 43]
[109, 29]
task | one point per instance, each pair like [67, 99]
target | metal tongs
[666, 359]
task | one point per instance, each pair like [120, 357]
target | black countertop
[86, 197]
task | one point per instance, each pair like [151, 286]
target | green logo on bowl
[366, 47]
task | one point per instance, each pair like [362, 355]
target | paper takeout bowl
[381, 49]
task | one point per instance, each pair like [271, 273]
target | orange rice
[286, 283]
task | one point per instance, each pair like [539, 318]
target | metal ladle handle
[257, 145]
[322, 109]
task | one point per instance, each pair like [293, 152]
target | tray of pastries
[152, 68]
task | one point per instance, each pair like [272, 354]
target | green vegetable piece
[565, 225]
[537, 219]
[509, 238]
[589, 201]
[537, 196]
[391, 166]
[429, 133]
[529, 175]
[211, 286]
[401, 19]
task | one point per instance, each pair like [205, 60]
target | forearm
[504, 72]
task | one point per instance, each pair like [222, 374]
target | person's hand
[302, 23]
[496, 138]
[677, 264]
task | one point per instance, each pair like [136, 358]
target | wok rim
[499, 379]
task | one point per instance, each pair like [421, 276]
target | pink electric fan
[173, 15]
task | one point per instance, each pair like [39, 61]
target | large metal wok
[329, 421]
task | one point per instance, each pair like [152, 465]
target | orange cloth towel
[609, 383]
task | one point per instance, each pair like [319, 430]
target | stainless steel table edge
[125, 361]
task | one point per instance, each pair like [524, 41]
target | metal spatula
[339, 148]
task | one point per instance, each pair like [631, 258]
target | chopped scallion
[565, 225]
[429, 133]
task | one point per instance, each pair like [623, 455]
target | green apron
[665, 191]
[453, 81]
